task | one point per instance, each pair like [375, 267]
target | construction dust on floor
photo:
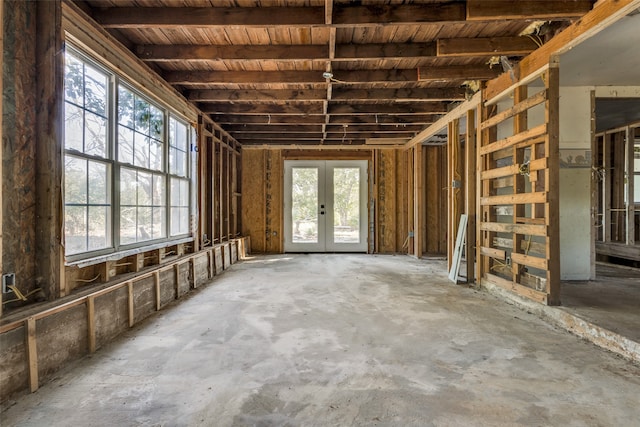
[339, 340]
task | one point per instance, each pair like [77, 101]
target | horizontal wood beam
[253, 77]
[248, 108]
[261, 128]
[176, 17]
[460, 47]
[257, 95]
[335, 119]
[458, 72]
[396, 108]
[345, 15]
[330, 128]
[358, 52]
[383, 119]
[230, 52]
[266, 119]
[243, 136]
[526, 9]
[310, 143]
[409, 94]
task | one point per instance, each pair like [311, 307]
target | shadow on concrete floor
[612, 301]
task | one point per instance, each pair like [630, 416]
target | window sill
[114, 256]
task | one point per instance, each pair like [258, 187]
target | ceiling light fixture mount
[327, 75]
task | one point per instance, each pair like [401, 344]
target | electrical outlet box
[8, 279]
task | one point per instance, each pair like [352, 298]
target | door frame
[325, 179]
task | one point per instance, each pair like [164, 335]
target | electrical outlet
[8, 279]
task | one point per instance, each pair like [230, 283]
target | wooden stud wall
[518, 210]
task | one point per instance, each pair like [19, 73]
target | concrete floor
[340, 340]
[612, 301]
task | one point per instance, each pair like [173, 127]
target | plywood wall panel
[18, 143]
[253, 198]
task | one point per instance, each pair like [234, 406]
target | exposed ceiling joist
[486, 46]
[526, 9]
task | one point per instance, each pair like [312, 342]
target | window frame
[114, 166]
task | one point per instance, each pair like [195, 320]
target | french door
[325, 206]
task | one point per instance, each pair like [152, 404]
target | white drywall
[575, 186]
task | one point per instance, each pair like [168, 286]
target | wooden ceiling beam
[248, 108]
[177, 17]
[256, 95]
[254, 77]
[253, 128]
[413, 94]
[335, 119]
[339, 119]
[479, 10]
[158, 53]
[359, 52]
[396, 108]
[382, 128]
[267, 119]
[485, 46]
[458, 72]
[346, 15]
[318, 135]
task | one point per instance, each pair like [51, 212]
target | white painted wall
[575, 186]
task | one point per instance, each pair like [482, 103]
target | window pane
[155, 156]
[144, 189]
[304, 205]
[75, 229]
[346, 205]
[141, 144]
[95, 136]
[144, 224]
[175, 192]
[73, 80]
[98, 223]
[159, 228]
[125, 145]
[179, 221]
[127, 225]
[98, 183]
[73, 127]
[95, 86]
[142, 116]
[75, 180]
[125, 107]
[184, 192]
[128, 185]
[158, 190]
[156, 123]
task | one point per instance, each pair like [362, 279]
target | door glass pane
[346, 205]
[304, 205]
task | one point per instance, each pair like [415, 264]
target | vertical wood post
[470, 193]
[91, 324]
[32, 352]
[130, 303]
[49, 90]
[1, 139]
[418, 201]
[156, 280]
[551, 184]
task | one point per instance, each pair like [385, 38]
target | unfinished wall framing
[518, 244]
[41, 341]
[616, 156]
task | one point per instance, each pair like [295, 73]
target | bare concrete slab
[295, 340]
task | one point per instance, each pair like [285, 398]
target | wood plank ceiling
[394, 66]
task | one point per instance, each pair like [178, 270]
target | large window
[127, 177]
